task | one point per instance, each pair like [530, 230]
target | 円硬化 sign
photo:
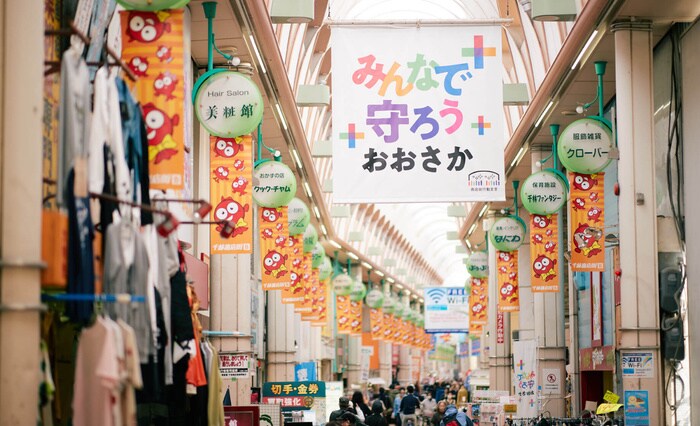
[412, 123]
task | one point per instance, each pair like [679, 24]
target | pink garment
[96, 377]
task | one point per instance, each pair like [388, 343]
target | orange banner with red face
[544, 253]
[343, 315]
[231, 168]
[587, 221]
[153, 47]
[387, 325]
[507, 274]
[478, 303]
[355, 318]
[376, 319]
[305, 305]
[312, 297]
[321, 303]
[274, 255]
[294, 293]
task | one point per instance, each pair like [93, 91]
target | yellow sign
[611, 397]
[510, 408]
[607, 408]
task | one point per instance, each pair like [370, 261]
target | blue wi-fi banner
[446, 310]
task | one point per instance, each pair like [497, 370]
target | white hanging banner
[417, 114]
[525, 377]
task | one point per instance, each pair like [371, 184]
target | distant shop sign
[507, 233]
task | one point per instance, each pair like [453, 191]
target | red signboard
[242, 416]
[500, 338]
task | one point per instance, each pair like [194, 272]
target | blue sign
[637, 408]
[446, 310]
[306, 371]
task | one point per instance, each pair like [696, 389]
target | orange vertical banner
[274, 255]
[507, 268]
[312, 297]
[587, 221]
[231, 168]
[478, 303]
[321, 303]
[153, 46]
[304, 306]
[387, 325]
[544, 253]
[397, 330]
[376, 319]
[294, 293]
[342, 309]
[355, 317]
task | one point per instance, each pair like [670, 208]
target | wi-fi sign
[435, 295]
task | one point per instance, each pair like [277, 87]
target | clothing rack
[216, 333]
[73, 30]
[88, 297]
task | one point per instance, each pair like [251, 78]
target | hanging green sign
[398, 309]
[584, 146]
[318, 253]
[152, 5]
[274, 184]
[298, 216]
[507, 233]
[357, 291]
[325, 269]
[544, 192]
[342, 284]
[388, 305]
[228, 104]
[374, 299]
[310, 238]
[478, 264]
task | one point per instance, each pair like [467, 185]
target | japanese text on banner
[406, 115]
[544, 253]
[155, 54]
[587, 222]
[508, 290]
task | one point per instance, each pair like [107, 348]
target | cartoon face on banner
[584, 146]
[274, 184]
[276, 266]
[376, 322]
[544, 253]
[355, 317]
[507, 233]
[478, 302]
[544, 192]
[228, 104]
[342, 306]
[233, 203]
[478, 264]
[294, 293]
[508, 289]
[587, 222]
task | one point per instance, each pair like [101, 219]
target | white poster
[525, 377]
[234, 365]
[417, 114]
[446, 310]
[551, 383]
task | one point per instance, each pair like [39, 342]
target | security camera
[235, 61]
[579, 109]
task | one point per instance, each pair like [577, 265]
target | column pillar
[500, 377]
[230, 311]
[385, 361]
[405, 359]
[354, 360]
[280, 339]
[549, 322]
[21, 112]
[639, 327]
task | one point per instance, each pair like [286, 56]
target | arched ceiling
[529, 48]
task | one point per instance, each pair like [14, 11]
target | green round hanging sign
[310, 238]
[398, 310]
[342, 284]
[584, 146]
[228, 104]
[298, 216]
[274, 184]
[374, 299]
[152, 5]
[357, 291]
[325, 268]
[318, 253]
[478, 264]
[388, 305]
[508, 233]
[544, 192]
